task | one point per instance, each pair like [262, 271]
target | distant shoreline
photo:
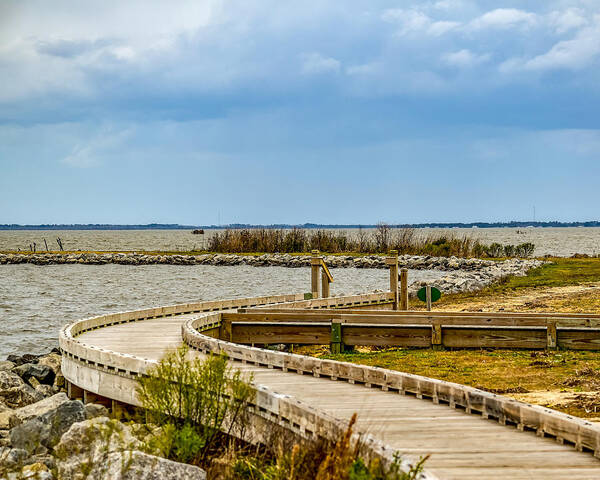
[163, 226]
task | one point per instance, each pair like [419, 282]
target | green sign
[435, 294]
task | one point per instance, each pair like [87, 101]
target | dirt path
[574, 298]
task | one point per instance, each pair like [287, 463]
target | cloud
[575, 53]
[90, 153]
[315, 64]
[464, 58]
[567, 20]
[503, 18]
[411, 21]
[65, 48]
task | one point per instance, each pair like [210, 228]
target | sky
[290, 112]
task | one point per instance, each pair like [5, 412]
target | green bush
[195, 402]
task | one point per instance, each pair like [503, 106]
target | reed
[381, 240]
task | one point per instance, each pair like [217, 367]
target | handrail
[580, 433]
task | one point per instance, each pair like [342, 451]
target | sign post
[429, 295]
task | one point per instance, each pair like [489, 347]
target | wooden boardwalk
[462, 446]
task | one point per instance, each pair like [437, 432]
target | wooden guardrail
[583, 435]
[413, 329]
[113, 375]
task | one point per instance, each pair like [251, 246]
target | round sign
[435, 294]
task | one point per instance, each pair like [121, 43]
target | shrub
[195, 402]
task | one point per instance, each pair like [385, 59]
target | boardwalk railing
[413, 329]
[98, 374]
[544, 421]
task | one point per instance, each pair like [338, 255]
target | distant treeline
[310, 226]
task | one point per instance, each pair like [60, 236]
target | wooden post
[392, 261]
[404, 289]
[225, 331]
[551, 330]
[336, 345]
[428, 297]
[324, 284]
[315, 265]
[436, 336]
[74, 392]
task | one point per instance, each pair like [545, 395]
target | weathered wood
[315, 265]
[336, 345]
[404, 289]
[324, 284]
[281, 333]
[551, 335]
[392, 262]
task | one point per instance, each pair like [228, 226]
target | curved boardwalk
[461, 446]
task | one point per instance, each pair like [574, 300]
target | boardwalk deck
[461, 446]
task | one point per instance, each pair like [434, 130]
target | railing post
[225, 331]
[315, 265]
[336, 345]
[324, 284]
[551, 333]
[403, 289]
[392, 261]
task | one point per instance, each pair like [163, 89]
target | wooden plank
[278, 333]
[494, 337]
[578, 338]
[400, 336]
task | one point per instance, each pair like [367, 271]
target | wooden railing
[581, 434]
[413, 329]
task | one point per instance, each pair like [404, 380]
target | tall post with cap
[315, 265]
[392, 262]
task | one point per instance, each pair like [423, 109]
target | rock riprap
[417, 262]
[102, 448]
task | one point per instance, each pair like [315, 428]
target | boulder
[42, 373]
[12, 457]
[52, 360]
[94, 410]
[6, 365]
[43, 432]
[101, 448]
[23, 414]
[14, 392]
[22, 359]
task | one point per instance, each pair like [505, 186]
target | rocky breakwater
[472, 280]
[415, 262]
[44, 435]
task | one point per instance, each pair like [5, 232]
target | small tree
[195, 401]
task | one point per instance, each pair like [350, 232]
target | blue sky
[292, 112]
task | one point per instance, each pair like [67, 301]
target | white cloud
[411, 21]
[504, 18]
[572, 54]
[464, 58]
[567, 20]
[315, 63]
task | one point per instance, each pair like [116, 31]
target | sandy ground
[575, 298]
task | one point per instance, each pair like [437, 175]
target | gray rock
[94, 410]
[23, 414]
[101, 448]
[41, 433]
[6, 365]
[15, 393]
[42, 373]
[52, 360]
[12, 457]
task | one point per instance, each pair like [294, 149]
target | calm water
[36, 301]
[552, 241]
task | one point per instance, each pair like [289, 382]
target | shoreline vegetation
[380, 241]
